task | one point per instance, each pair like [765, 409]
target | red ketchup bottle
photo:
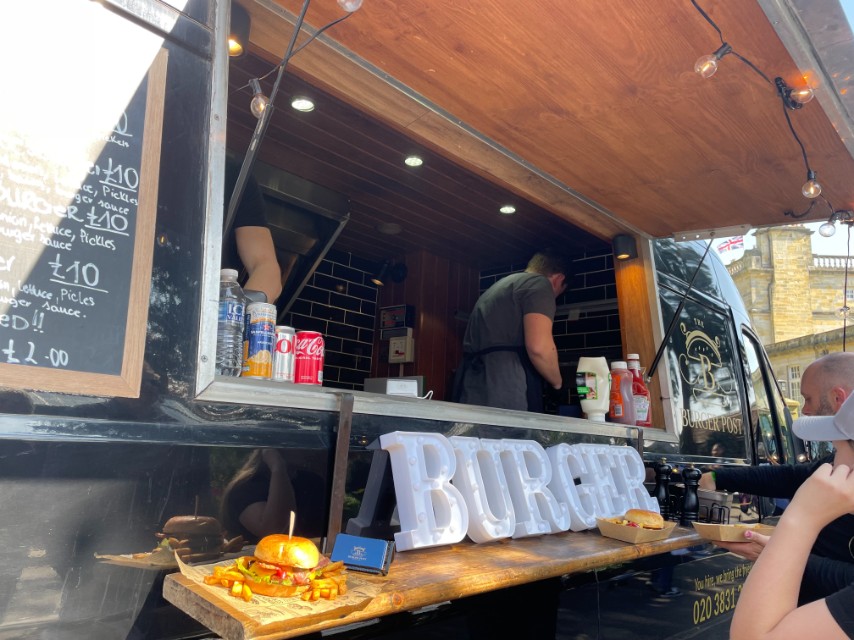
[622, 408]
[640, 393]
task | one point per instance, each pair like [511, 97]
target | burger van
[114, 421]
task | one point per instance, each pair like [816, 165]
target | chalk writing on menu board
[75, 263]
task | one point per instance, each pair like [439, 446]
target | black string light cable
[266, 112]
[724, 50]
[792, 100]
[310, 39]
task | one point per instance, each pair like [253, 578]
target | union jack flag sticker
[736, 242]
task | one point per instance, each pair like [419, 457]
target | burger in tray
[282, 566]
[636, 525]
[195, 539]
[640, 518]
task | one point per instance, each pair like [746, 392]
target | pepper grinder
[691, 500]
[662, 487]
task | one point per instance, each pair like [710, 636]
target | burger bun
[292, 551]
[182, 526]
[646, 519]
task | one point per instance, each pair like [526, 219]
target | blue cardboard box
[369, 555]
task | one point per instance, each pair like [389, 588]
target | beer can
[308, 366]
[285, 354]
[259, 340]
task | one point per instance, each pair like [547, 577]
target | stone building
[794, 299]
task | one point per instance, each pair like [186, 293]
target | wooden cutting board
[235, 619]
[426, 577]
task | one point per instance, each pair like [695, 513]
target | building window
[794, 382]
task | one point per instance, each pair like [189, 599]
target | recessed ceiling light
[508, 209]
[301, 103]
[413, 161]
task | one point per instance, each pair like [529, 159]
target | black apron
[533, 380]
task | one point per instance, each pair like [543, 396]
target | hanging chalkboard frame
[126, 383]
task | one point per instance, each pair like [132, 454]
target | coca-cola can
[284, 355]
[308, 367]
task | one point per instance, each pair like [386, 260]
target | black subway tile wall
[593, 332]
[340, 302]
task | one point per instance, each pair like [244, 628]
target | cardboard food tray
[264, 614]
[164, 559]
[729, 532]
[148, 560]
[634, 535]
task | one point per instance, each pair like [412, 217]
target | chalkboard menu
[76, 238]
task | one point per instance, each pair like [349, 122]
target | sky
[833, 246]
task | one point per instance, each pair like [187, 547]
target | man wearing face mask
[509, 351]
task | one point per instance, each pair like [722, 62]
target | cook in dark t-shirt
[508, 348]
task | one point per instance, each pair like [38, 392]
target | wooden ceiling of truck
[439, 206]
[589, 109]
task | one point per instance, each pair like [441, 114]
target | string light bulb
[811, 188]
[844, 216]
[827, 230]
[349, 5]
[802, 95]
[793, 98]
[707, 65]
[259, 100]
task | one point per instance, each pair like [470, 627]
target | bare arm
[749, 550]
[540, 345]
[767, 607]
[272, 515]
[256, 250]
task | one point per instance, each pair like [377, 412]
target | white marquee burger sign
[489, 489]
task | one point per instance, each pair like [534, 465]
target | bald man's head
[826, 383]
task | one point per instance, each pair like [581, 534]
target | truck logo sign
[700, 362]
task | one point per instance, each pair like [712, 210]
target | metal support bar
[675, 318]
[339, 470]
[639, 443]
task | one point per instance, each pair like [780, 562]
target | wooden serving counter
[430, 576]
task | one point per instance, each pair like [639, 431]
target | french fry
[332, 567]
[232, 575]
[329, 583]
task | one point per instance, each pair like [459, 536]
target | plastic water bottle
[229, 335]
